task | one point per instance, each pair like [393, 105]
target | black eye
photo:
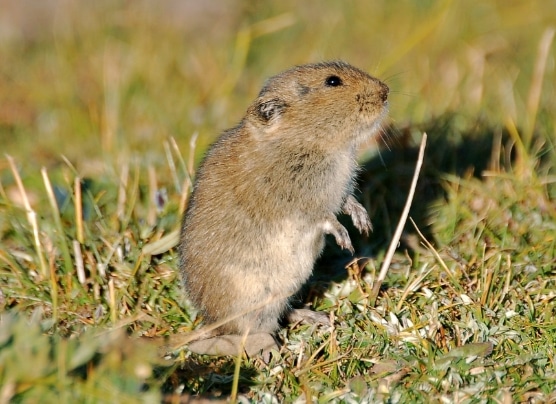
[333, 81]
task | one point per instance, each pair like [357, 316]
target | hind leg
[251, 333]
[233, 345]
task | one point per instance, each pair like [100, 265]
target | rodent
[269, 190]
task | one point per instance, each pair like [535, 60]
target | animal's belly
[292, 251]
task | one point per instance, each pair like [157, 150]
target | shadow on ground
[385, 180]
[209, 379]
[383, 187]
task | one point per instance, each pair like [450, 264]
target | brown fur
[269, 190]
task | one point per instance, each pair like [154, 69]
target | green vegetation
[105, 109]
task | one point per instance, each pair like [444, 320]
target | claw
[358, 214]
[334, 227]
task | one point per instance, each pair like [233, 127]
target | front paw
[358, 214]
[334, 227]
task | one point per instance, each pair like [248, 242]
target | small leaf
[358, 386]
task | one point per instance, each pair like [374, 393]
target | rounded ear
[271, 109]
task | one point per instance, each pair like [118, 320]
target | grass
[105, 110]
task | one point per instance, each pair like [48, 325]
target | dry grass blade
[78, 210]
[31, 217]
[79, 267]
[401, 224]
[153, 188]
[172, 166]
[237, 369]
[433, 250]
[165, 243]
[124, 177]
[63, 243]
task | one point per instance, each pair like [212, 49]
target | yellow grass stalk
[78, 209]
[31, 217]
[401, 224]
[68, 264]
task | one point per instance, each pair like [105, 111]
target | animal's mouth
[378, 117]
[373, 124]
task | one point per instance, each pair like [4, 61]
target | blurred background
[99, 80]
